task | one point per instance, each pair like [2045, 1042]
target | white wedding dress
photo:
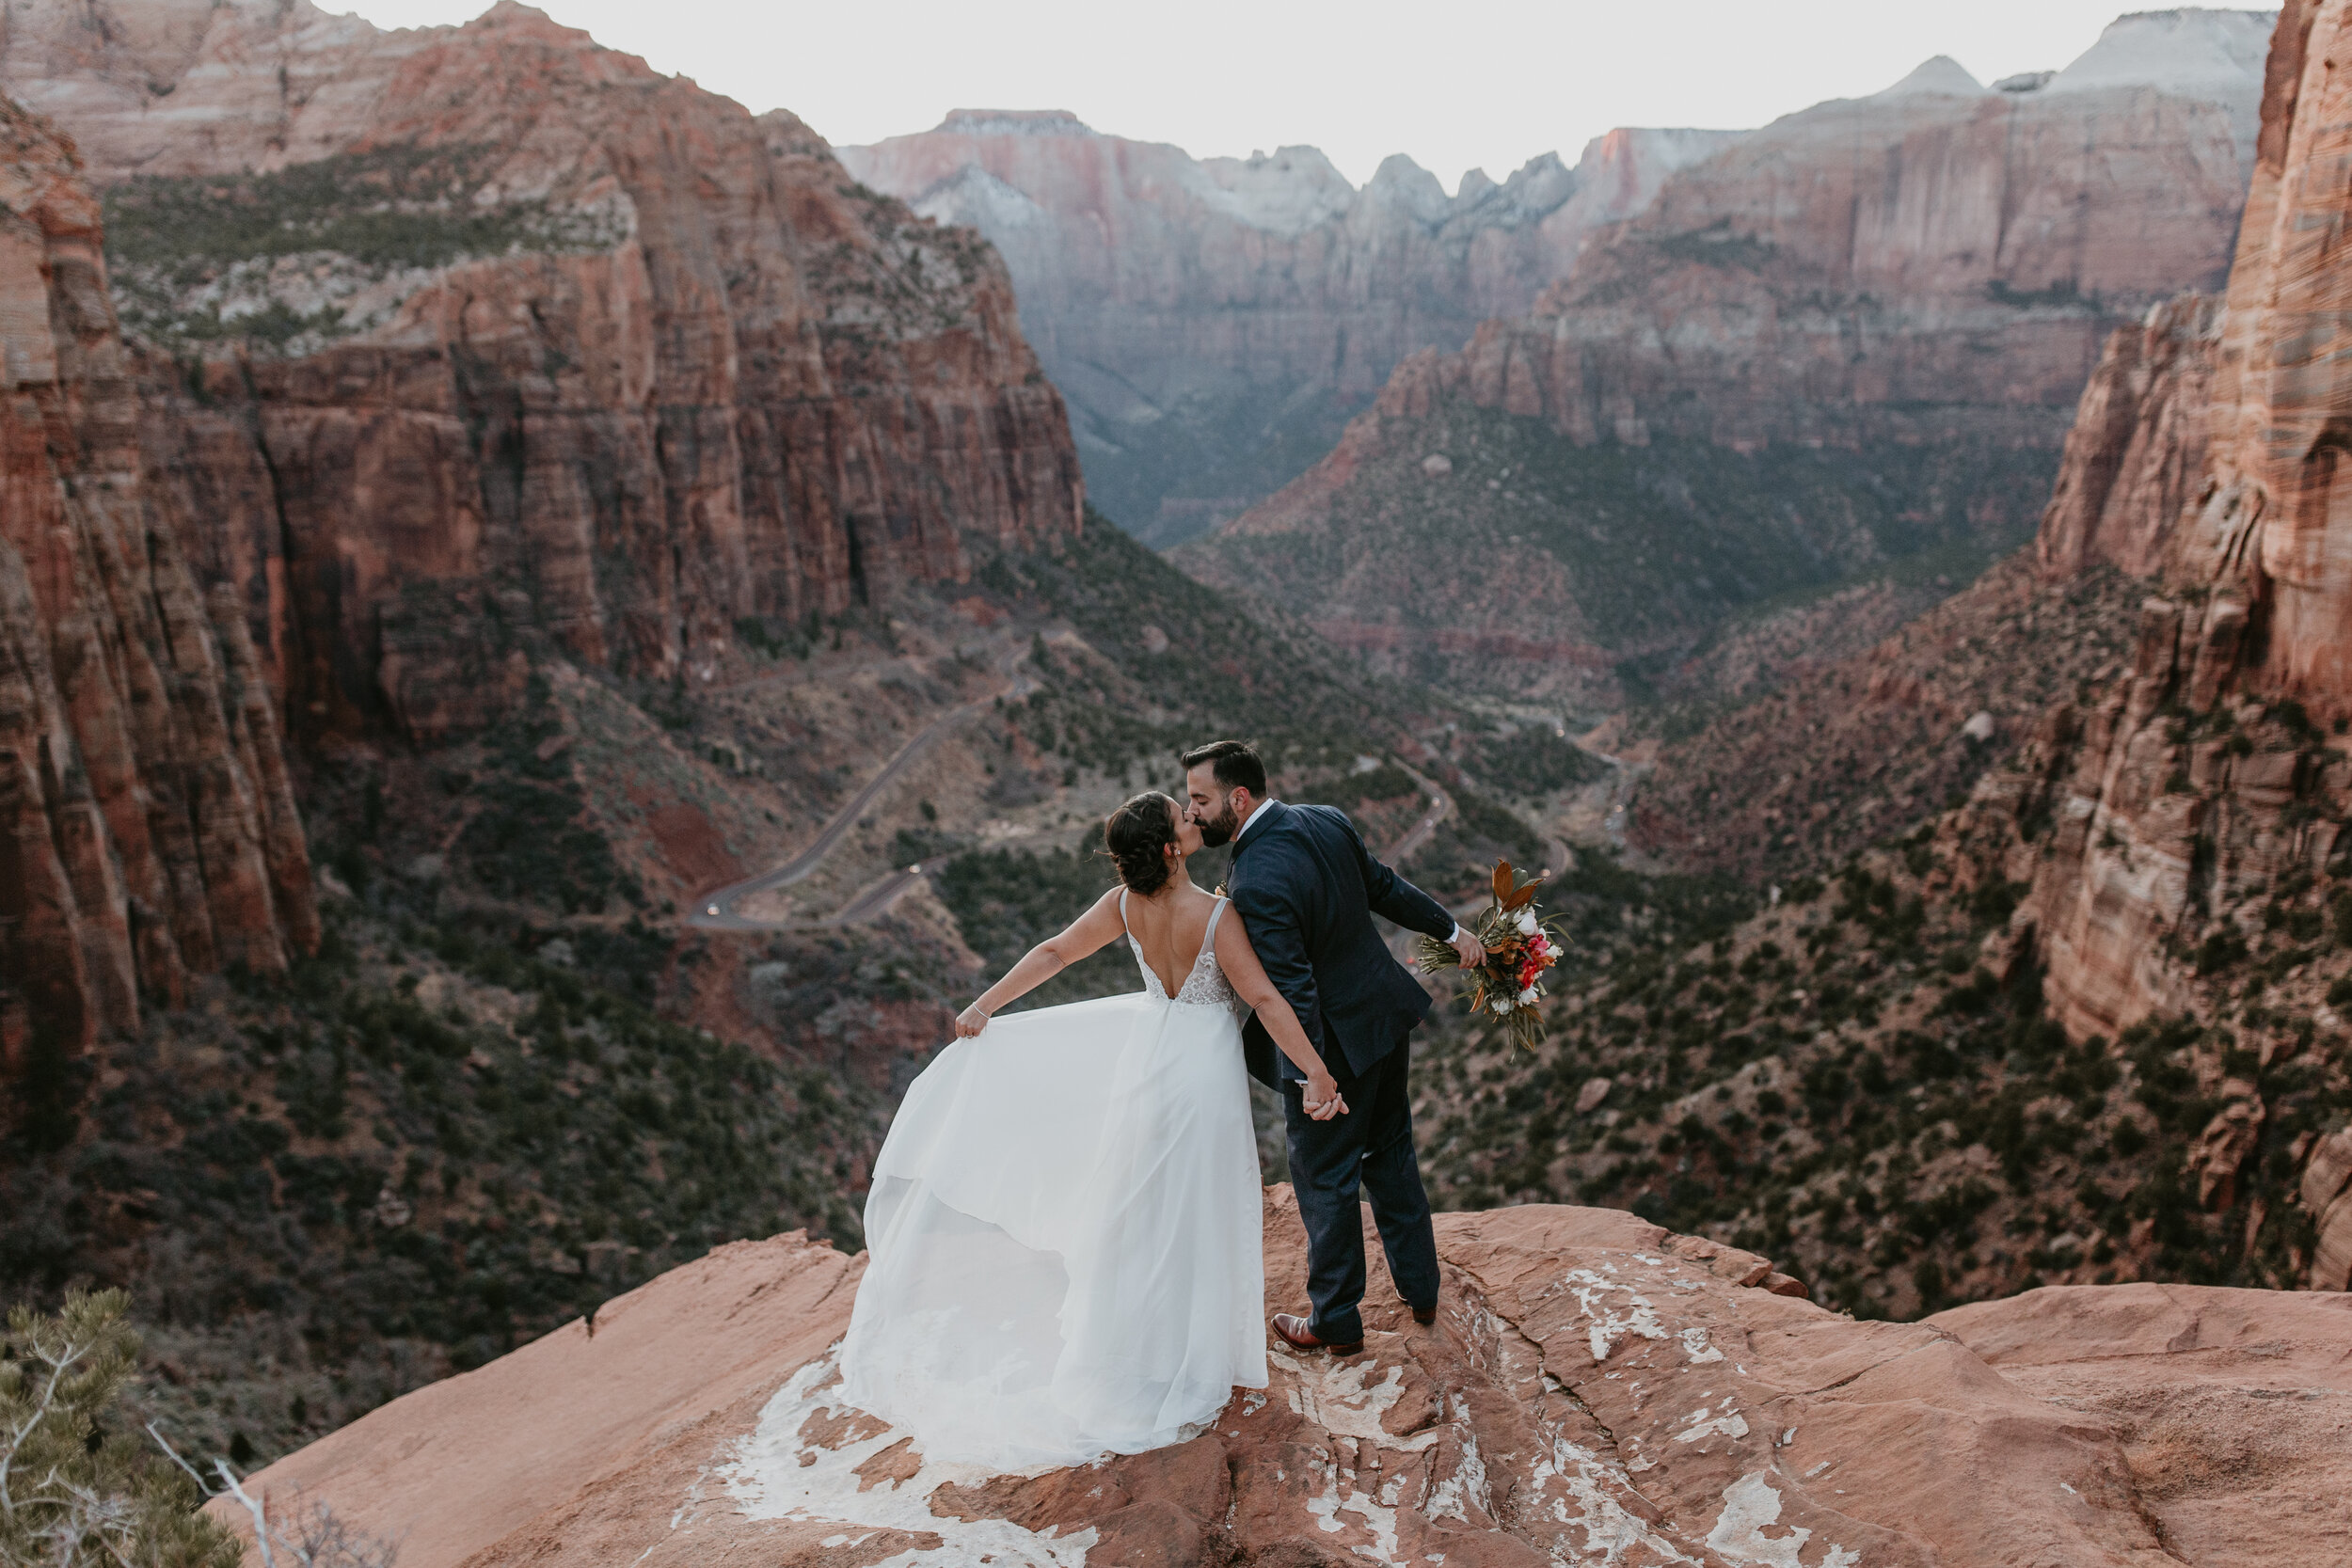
[1065, 1228]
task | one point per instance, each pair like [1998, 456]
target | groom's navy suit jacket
[1306, 890]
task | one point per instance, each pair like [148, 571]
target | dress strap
[1208, 937]
[1122, 912]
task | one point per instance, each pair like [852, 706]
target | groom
[1307, 889]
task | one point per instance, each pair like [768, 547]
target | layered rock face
[1207, 318]
[146, 829]
[2137, 447]
[1921, 279]
[2179, 828]
[1596, 1390]
[560, 355]
[2166, 818]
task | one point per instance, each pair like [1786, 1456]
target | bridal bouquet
[1520, 946]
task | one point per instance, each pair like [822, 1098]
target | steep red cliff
[1921, 280]
[146, 829]
[2138, 444]
[1187, 307]
[2166, 817]
[2178, 829]
[658, 369]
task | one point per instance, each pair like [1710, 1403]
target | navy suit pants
[1372, 1149]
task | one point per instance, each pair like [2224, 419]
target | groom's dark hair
[1231, 763]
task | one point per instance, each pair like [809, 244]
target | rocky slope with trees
[2086, 1024]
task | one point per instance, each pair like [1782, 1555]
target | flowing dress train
[1064, 1228]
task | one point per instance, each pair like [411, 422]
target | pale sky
[1466, 83]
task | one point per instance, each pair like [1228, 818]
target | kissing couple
[1065, 1221]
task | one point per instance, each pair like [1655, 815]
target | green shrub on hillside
[79, 1486]
[1536, 761]
[374, 1171]
[528, 837]
[1005, 902]
[1225, 671]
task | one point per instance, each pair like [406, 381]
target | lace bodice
[1206, 986]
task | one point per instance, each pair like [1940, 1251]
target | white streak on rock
[1464, 1489]
[1340, 1398]
[1609, 1327]
[1338, 1497]
[774, 1474]
[1732, 1425]
[1611, 1532]
[1749, 1505]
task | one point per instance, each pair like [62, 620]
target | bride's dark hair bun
[1137, 835]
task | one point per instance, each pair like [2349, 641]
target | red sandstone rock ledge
[1597, 1390]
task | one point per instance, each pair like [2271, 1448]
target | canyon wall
[2177, 830]
[147, 829]
[1908, 291]
[2177, 795]
[467, 343]
[1213, 322]
[2138, 447]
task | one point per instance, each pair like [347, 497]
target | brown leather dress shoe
[1297, 1333]
[1424, 1315]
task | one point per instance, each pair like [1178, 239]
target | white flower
[1526, 922]
[1527, 997]
[1503, 1005]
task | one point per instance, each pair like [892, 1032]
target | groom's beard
[1218, 831]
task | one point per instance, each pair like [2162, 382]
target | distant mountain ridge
[1213, 322]
[1887, 305]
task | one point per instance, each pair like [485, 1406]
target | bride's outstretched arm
[1247, 976]
[1090, 933]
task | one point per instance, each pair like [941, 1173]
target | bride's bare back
[1169, 926]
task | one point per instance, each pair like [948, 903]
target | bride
[1064, 1222]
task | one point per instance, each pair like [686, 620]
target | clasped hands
[1320, 1096]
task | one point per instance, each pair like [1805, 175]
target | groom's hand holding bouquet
[1513, 948]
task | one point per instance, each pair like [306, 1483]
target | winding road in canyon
[718, 910]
